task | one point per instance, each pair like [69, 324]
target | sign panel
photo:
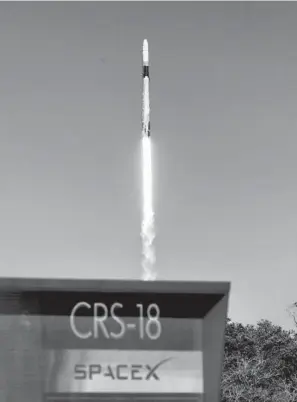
[127, 343]
[90, 371]
[106, 340]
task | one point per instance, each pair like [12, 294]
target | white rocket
[145, 91]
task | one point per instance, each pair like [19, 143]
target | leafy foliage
[260, 363]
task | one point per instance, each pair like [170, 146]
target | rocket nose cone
[145, 46]
[145, 52]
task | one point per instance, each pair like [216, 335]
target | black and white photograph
[148, 201]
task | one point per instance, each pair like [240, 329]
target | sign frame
[214, 321]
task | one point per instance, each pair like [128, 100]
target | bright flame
[147, 227]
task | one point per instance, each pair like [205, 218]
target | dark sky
[223, 98]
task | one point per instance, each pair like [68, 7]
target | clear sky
[224, 122]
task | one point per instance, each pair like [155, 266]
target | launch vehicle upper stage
[146, 125]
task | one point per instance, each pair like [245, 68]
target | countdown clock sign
[107, 340]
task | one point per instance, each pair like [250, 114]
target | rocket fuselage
[146, 125]
[145, 72]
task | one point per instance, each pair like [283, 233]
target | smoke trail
[147, 228]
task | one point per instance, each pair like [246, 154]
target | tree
[260, 363]
[292, 311]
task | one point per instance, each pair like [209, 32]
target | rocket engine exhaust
[148, 225]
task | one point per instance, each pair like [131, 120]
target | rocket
[146, 127]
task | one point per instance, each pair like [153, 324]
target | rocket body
[145, 91]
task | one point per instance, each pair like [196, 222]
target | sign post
[106, 340]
